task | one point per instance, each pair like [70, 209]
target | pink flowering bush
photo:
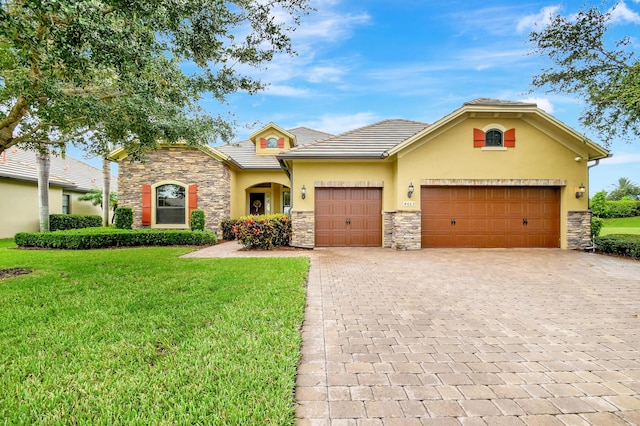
[263, 232]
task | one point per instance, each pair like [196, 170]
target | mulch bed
[13, 272]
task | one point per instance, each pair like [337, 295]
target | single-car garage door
[348, 217]
[471, 216]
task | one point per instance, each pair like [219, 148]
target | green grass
[623, 225]
[139, 336]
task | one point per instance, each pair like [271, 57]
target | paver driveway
[473, 337]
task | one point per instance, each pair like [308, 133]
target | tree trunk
[106, 185]
[43, 189]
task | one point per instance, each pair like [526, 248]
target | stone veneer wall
[407, 230]
[578, 229]
[387, 228]
[182, 164]
[303, 229]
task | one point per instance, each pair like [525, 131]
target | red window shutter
[193, 198]
[478, 138]
[510, 138]
[281, 143]
[263, 143]
[146, 205]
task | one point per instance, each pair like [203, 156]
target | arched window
[272, 143]
[170, 204]
[493, 137]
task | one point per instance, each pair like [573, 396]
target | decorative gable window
[494, 138]
[272, 142]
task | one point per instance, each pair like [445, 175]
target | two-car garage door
[471, 216]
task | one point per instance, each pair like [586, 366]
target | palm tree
[95, 197]
[625, 188]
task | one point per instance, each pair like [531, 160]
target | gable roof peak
[498, 102]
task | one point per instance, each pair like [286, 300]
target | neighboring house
[68, 180]
[490, 174]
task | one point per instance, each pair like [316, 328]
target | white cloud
[322, 74]
[543, 103]
[284, 90]
[621, 13]
[538, 20]
[337, 124]
[618, 159]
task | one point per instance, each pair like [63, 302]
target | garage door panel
[490, 217]
[353, 217]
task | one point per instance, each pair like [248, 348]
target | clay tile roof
[243, 153]
[66, 172]
[372, 141]
[497, 102]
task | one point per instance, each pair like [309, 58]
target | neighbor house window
[493, 138]
[272, 143]
[66, 204]
[170, 204]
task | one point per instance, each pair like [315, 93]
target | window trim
[154, 206]
[67, 205]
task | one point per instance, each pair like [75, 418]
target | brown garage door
[490, 216]
[348, 217]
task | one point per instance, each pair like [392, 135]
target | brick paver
[466, 337]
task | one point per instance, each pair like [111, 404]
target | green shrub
[197, 220]
[227, 229]
[619, 244]
[124, 218]
[89, 238]
[599, 206]
[596, 226]
[61, 222]
[626, 207]
[263, 232]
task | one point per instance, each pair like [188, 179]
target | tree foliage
[130, 73]
[94, 196]
[624, 188]
[606, 78]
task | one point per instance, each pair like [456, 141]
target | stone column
[302, 229]
[578, 229]
[387, 228]
[407, 230]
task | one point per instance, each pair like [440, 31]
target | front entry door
[256, 203]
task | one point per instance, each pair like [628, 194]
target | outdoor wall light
[410, 193]
[580, 191]
[304, 192]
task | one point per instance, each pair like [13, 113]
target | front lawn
[623, 225]
[140, 336]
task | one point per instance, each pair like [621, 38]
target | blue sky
[361, 61]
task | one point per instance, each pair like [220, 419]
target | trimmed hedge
[619, 244]
[227, 229]
[596, 226]
[623, 208]
[90, 238]
[124, 217]
[197, 220]
[61, 222]
[263, 232]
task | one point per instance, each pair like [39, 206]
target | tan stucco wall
[242, 183]
[449, 154]
[19, 208]
[536, 156]
[343, 173]
[81, 207]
